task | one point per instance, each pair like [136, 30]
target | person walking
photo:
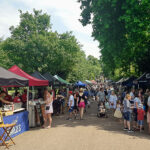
[113, 100]
[81, 102]
[100, 96]
[48, 109]
[70, 105]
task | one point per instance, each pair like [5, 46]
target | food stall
[10, 115]
[32, 103]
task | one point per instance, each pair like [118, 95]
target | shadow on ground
[110, 124]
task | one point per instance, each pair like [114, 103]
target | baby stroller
[101, 111]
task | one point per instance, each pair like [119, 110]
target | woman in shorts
[81, 102]
[48, 109]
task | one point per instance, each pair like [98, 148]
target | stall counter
[21, 120]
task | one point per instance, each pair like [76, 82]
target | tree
[33, 46]
[122, 29]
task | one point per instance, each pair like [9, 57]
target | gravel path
[90, 134]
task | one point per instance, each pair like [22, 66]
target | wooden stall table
[7, 129]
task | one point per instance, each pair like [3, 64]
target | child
[140, 116]
[118, 113]
[101, 110]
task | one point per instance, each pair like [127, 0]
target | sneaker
[68, 119]
[130, 131]
[125, 129]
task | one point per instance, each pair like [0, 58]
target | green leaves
[122, 29]
[34, 47]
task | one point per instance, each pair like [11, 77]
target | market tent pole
[33, 93]
[67, 91]
[27, 98]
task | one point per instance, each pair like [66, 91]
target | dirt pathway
[89, 134]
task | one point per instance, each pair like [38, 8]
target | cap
[140, 105]
[70, 92]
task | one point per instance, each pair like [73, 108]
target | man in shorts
[70, 105]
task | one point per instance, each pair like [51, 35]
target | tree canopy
[123, 31]
[33, 46]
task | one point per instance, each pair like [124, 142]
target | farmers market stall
[10, 114]
[36, 106]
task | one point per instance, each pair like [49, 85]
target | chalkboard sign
[39, 112]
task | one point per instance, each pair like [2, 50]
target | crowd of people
[133, 105]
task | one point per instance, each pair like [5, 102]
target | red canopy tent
[32, 81]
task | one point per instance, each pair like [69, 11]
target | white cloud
[9, 17]
[68, 10]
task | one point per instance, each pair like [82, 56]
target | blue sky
[64, 17]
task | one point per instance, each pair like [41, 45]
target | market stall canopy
[32, 81]
[144, 79]
[88, 82]
[51, 79]
[61, 80]
[37, 75]
[9, 79]
[80, 84]
[129, 81]
[120, 81]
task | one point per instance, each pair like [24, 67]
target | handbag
[118, 114]
[47, 107]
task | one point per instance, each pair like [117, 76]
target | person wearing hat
[140, 116]
[70, 105]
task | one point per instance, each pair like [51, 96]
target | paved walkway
[90, 134]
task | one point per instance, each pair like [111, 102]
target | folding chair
[6, 131]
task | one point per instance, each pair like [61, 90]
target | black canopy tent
[37, 75]
[144, 80]
[9, 79]
[51, 79]
[129, 81]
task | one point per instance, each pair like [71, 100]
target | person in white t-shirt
[113, 100]
[70, 105]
